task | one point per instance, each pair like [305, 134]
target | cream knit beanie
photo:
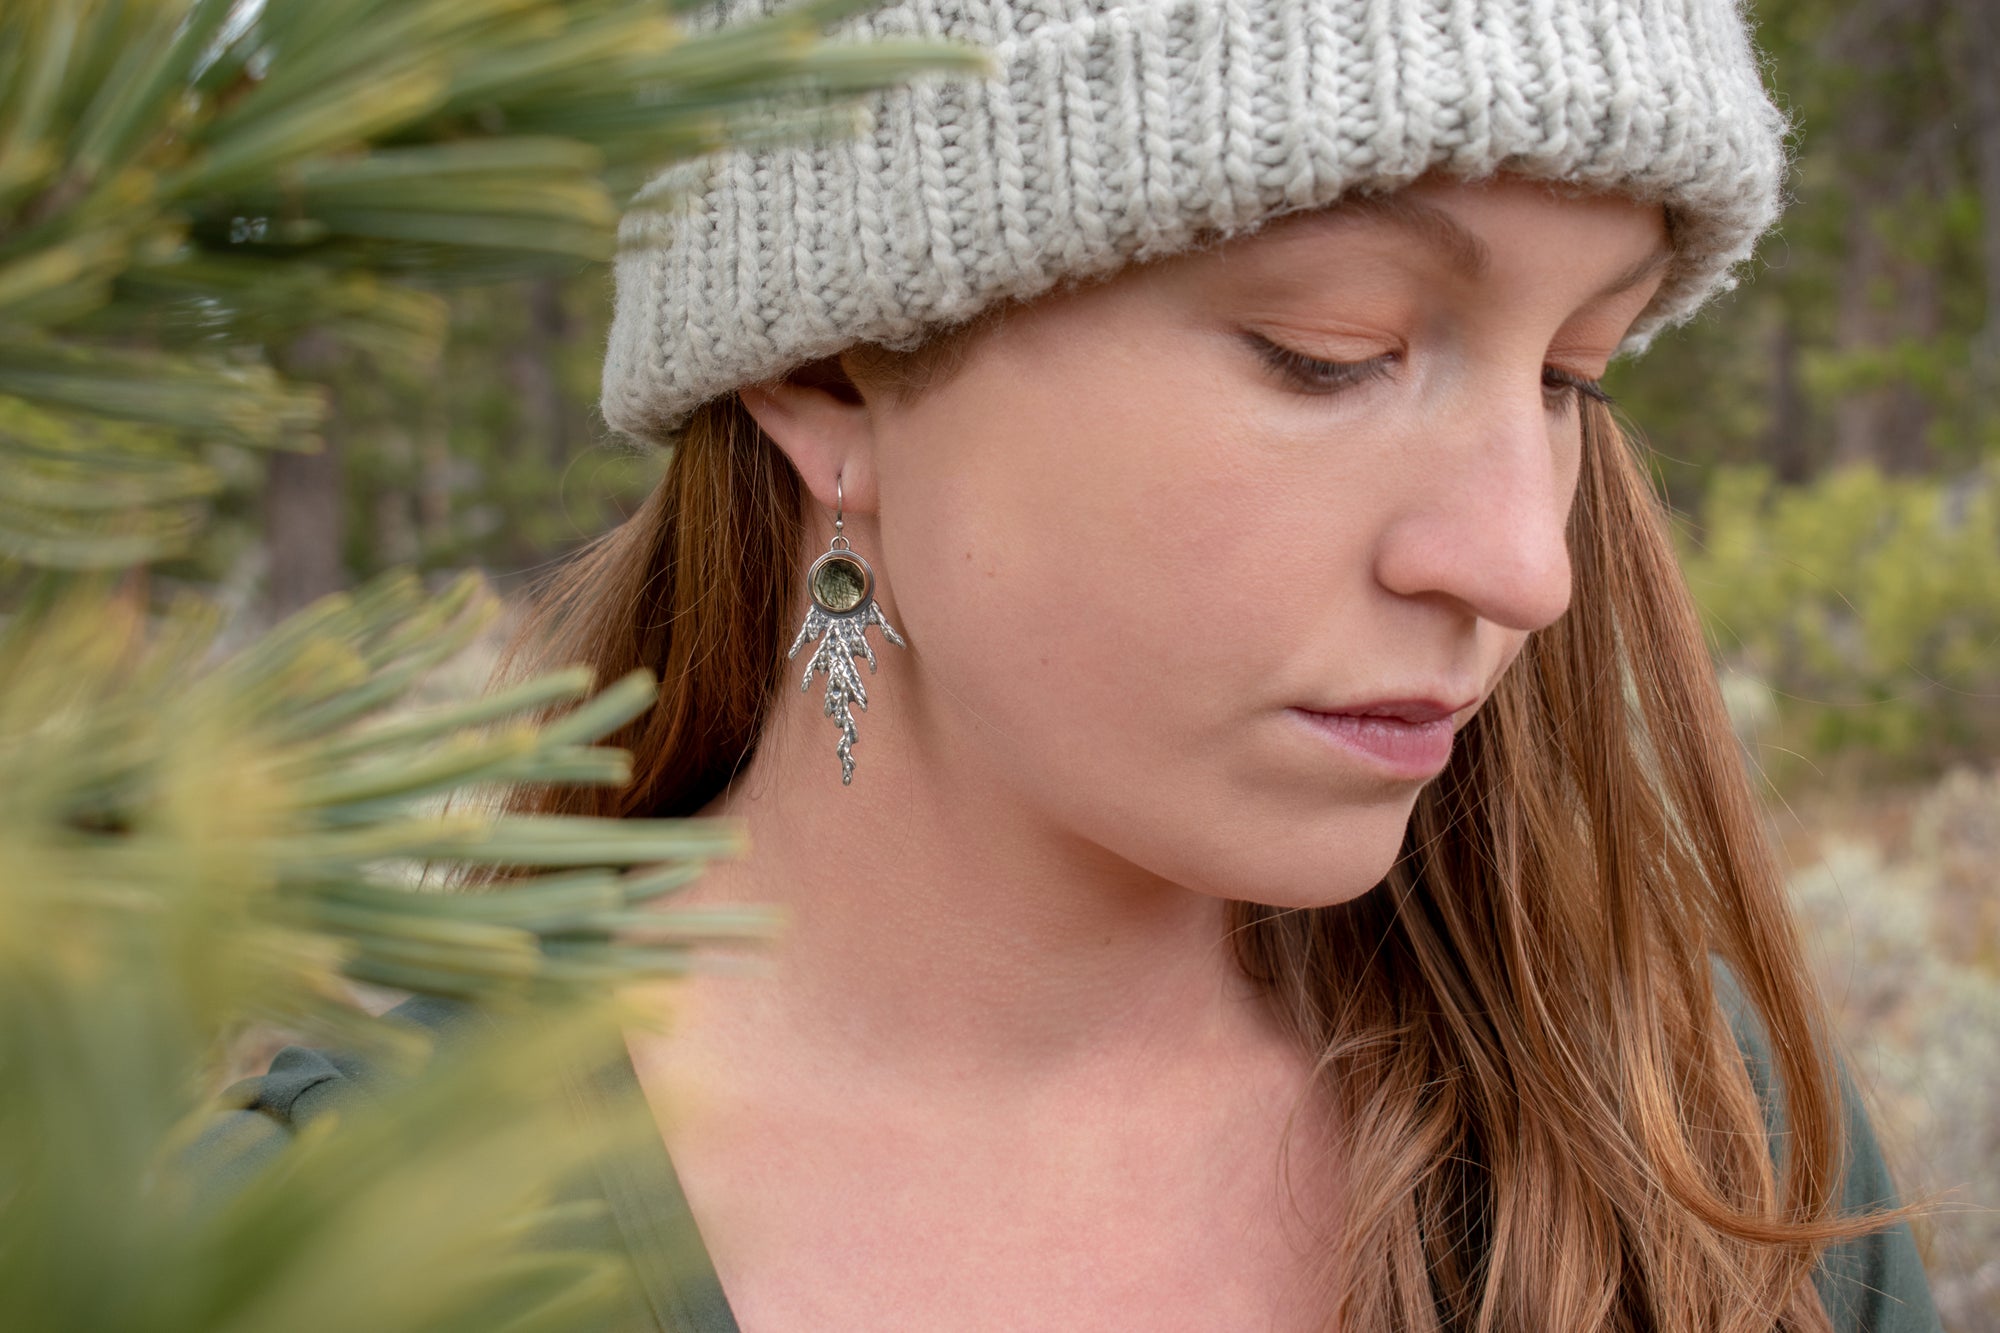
[1120, 130]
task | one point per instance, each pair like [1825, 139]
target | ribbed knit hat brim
[1124, 132]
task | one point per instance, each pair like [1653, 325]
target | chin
[1297, 873]
[1292, 891]
[1304, 896]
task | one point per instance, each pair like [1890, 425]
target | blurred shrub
[1908, 946]
[1857, 616]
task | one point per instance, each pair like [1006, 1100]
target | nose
[1484, 518]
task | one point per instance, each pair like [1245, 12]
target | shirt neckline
[677, 1278]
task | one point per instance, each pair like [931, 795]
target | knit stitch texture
[1126, 130]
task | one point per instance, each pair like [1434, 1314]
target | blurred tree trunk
[395, 530]
[541, 434]
[305, 527]
[434, 476]
[1904, 447]
[1981, 80]
[1862, 324]
[544, 424]
[1788, 444]
[1894, 158]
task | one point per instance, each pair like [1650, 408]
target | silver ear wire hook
[842, 585]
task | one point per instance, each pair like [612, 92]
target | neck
[940, 925]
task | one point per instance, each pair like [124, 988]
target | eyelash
[1328, 377]
[1574, 386]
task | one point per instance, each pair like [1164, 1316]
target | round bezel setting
[836, 575]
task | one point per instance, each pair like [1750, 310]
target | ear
[826, 427]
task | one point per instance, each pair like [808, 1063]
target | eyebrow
[1635, 274]
[1468, 255]
[1463, 251]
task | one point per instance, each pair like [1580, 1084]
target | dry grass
[1898, 894]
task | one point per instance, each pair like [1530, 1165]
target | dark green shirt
[1872, 1285]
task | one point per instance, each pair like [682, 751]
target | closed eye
[1562, 389]
[1309, 374]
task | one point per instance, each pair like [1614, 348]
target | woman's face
[1153, 526]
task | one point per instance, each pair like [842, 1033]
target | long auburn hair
[1548, 1124]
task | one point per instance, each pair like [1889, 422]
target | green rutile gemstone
[839, 584]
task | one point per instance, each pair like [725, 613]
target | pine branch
[216, 179]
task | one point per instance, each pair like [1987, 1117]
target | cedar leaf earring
[842, 585]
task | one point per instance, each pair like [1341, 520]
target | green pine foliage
[190, 844]
[201, 839]
[186, 184]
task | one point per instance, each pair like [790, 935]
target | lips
[1392, 747]
[1408, 739]
[1413, 711]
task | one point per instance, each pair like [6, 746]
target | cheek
[1566, 447]
[1112, 593]
[1058, 558]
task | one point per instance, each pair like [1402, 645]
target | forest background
[1829, 435]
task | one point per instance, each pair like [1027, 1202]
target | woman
[1286, 864]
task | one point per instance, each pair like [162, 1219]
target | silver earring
[843, 607]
